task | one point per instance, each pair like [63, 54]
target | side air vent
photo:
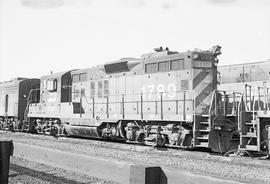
[122, 65]
[184, 85]
[116, 67]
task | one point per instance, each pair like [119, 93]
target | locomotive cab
[55, 97]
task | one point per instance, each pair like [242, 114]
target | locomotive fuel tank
[81, 131]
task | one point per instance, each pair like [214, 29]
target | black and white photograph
[134, 91]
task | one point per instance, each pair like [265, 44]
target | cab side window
[79, 77]
[75, 78]
[44, 84]
[106, 88]
[83, 77]
[52, 85]
[100, 87]
[93, 89]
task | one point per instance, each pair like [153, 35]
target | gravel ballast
[25, 171]
[242, 169]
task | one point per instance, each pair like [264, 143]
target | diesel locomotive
[165, 98]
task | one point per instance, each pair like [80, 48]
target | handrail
[265, 96]
[251, 107]
[240, 107]
[214, 109]
[188, 96]
[28, 103]
[212, 101]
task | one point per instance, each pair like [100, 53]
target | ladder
[222, 109]
[203, 124]
[25, 126]
[29, 101]
[253, 108]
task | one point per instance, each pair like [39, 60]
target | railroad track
[119, 144]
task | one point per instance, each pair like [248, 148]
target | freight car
[13, 101]
[163, 98]
[254, 119]
[234, 77]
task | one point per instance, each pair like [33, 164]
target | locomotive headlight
[195, 56]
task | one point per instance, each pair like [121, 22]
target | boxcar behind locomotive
[254, 74]
[251, 80]
[13, 100]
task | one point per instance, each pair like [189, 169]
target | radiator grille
[184, 85]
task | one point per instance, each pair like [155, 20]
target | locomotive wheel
[54, 131]
[63, 131]
[141, 138]
[121, 128]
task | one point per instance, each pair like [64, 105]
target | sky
[40, 36]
